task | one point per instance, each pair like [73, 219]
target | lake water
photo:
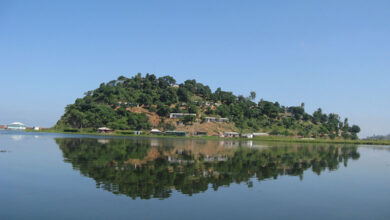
[57, 176]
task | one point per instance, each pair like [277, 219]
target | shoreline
[258, 138]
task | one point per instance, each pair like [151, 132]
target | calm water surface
[55, 176]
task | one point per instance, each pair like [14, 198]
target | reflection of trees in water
[147, 168]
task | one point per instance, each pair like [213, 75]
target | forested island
[146, 102]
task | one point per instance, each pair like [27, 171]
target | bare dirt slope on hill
[154, 119]
[212, 129]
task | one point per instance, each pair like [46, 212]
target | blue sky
[329, 54]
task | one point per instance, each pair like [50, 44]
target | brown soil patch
[212, 129]
[154, 119]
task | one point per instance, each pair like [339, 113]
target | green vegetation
[134, 168]
[110, 106]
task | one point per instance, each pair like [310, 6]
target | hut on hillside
[214, 119]
[181, 115]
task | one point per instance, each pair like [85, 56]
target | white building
[104, 130]
[180, 115]
[231, 134]
[16, 126]
[260, 134]
[155, 131]
[214, 119]
[249, 135]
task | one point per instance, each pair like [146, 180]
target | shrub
[71, 130]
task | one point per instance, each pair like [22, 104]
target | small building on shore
[103, 141]
[137, 132]
[155, 131]
[201, 133]
[104, 130]
[248, 135]
[231, 134]
[260, 134]
[16, 126]
[176, 133]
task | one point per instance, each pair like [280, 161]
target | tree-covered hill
[111, 105]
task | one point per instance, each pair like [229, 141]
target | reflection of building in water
[210, 174]
[17, 137]
[154, 142]
[248, 143]
[229, 143]
[103, 141]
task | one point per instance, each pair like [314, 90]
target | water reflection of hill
[153, 168]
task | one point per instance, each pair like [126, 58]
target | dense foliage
[109, 106]
[127, 167]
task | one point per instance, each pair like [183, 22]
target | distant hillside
[379, 137]
[145, 102]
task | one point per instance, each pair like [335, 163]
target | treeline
[108, 106]
[379, 137]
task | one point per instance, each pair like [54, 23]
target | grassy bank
[114, 134]
[259, 138]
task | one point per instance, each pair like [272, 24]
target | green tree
[183, 94]
[252, 95]
[166, 81]
[163, 110]
[189, 119]
[355, 129]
